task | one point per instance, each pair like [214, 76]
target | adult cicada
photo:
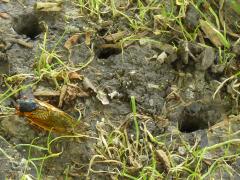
[45, 116]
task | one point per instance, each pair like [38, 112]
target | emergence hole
[105, 53]
[191, 125]
[198, 116]
[103, 31]
[27, 24]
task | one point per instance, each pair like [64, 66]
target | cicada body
[46, 116]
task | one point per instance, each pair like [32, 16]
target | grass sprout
[129, 149]
[117, 149]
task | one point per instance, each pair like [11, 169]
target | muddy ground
[176, 84]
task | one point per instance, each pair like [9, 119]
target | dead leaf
[21, 42]
[62, 95]
[162, 121]
[42, 91]
[181, 3]
[102, 97]
[48, 6]
[114, 94]
[162, 57]
[88, 38]
[162, 158]
[2, 45]
[214, 35]
[5, 1]
[72, 92]
[112, 46]
[72, 41]
[115, 37]
[75, 75]
[87, 84]
[4, 15]
[159, 45]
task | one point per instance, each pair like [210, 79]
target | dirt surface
[173, 81]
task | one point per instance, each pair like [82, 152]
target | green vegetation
[130, 150]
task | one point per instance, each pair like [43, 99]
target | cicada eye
[27, 105]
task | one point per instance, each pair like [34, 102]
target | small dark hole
[105, 53]
[198, 116]
[191, 125]
[27, 24]
[102, 31]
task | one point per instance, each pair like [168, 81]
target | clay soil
[153, 88]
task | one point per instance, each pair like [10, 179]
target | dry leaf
[72, 92]
[5, 1]
[62, 95]
[114, 94]
[88, 38]
[213, 34]
[21, 42]
[102, 97]
[115, 37]
[72, 41]
[75, 75]
[162, 57]
[48, 6]
[42, 91]
[161, 121]
[162, 157]
[4, 15]
[181, 2]
[113, 46]
[87, 84]
[2, 46]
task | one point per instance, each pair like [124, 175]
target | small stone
[218, 68]
[151, 102]
[236, 49]
[114, 94]
[151, 126]
[162, 57]
[207, 58]
[192, 18]
[183, 52]
[182, 150]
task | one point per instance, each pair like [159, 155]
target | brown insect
[46, 116]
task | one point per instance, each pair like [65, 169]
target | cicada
[46, 116]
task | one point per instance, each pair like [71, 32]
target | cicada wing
[51, 118]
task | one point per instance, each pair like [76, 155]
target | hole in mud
[105, 53]
[198, 116]
[27, 24]
[102, 31]
[191, 125]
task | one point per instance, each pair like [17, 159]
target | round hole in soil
[191, 125]
[198, 116]
[102, 31]
[105, 53]
[27, 24]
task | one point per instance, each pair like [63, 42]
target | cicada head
[26, 105]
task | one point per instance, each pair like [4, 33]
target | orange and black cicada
[46, 116]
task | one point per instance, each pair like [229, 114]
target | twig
[21, 42]
[222, 84]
